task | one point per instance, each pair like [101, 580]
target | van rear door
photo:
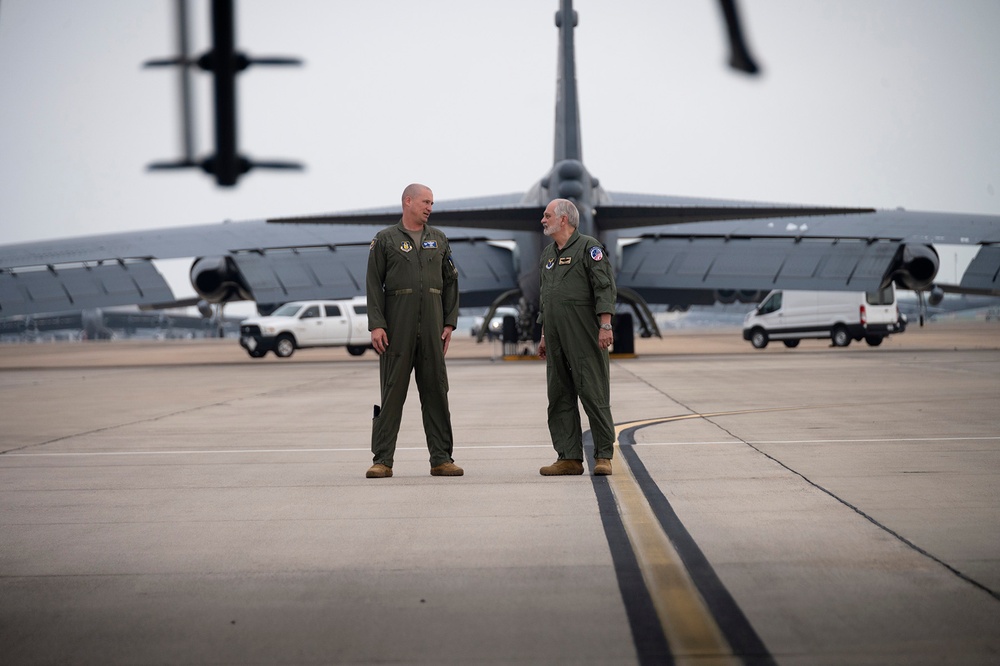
[880, 306]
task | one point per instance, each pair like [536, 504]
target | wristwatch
[607, 327]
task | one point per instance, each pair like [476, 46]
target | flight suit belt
[402, 292]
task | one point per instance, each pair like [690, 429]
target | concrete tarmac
[181, 503]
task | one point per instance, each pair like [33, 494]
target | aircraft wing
[766, 246]
[268, 262]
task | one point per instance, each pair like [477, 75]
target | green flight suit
[413, 294]
[577, 286]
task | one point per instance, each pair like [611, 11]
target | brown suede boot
[562, 467]
[447, 469]
[378, 471]
[602, 467]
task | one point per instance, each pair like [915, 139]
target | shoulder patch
[596, 253]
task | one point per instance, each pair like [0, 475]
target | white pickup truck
[302, 324]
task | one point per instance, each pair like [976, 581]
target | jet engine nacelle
[936, 296]
[914, 267]
[218, 280]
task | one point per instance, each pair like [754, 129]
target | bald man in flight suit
[412, 288]
[578, 296]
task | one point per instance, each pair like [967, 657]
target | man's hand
[605, 338]
[380, 341]
[446, 338]
[541, 348]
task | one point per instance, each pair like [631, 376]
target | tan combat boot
[602, 467]
[378, 471]
[447, 469]
[562, 467]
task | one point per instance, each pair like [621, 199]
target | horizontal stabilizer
[618, 217]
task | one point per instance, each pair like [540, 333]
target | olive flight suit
[412, 292]
[577, 286]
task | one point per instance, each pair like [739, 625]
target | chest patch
[549, 264]
[406, 246]
[565, 260]
[429, 245]
[596, 254]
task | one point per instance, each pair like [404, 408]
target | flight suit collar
[406, 232]
[574, 237]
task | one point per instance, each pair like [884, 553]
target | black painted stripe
[735, 626]
[650, 643]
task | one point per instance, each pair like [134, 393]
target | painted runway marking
[488, 447]
[250, 451]
[689, 627]
[697, 615]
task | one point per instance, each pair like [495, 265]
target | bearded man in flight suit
[578, 296]
[412, 287]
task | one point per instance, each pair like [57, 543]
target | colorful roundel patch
[596, 254]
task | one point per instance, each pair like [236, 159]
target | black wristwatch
[607, 327]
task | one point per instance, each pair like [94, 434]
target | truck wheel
[874, 340]
[758, 338]
[355, 350]
[791, 344]
[284, 346]
[256, 353]
[841, 338]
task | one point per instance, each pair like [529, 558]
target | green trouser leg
[432, 383]
[394, 377]
[585, 379]
[564, 411]
[596, 398]
[395, 366]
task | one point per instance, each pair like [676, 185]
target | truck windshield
[287, 310]
[771, 304]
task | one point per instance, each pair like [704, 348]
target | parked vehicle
[842, 316]
[494, 331]
[301, 324]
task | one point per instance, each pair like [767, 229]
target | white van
[842, 316]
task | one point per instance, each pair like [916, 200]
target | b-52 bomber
[670, 250]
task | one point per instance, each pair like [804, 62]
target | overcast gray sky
[879, 103]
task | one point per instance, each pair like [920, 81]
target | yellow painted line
[687, 623]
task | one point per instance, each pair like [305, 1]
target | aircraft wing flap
[77, 287]
[983, 274]
[659, 265]
[279, 276]
[484, 271]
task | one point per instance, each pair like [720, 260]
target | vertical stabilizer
[568, 145]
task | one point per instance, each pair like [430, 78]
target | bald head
[418, 200]
[413, 191]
